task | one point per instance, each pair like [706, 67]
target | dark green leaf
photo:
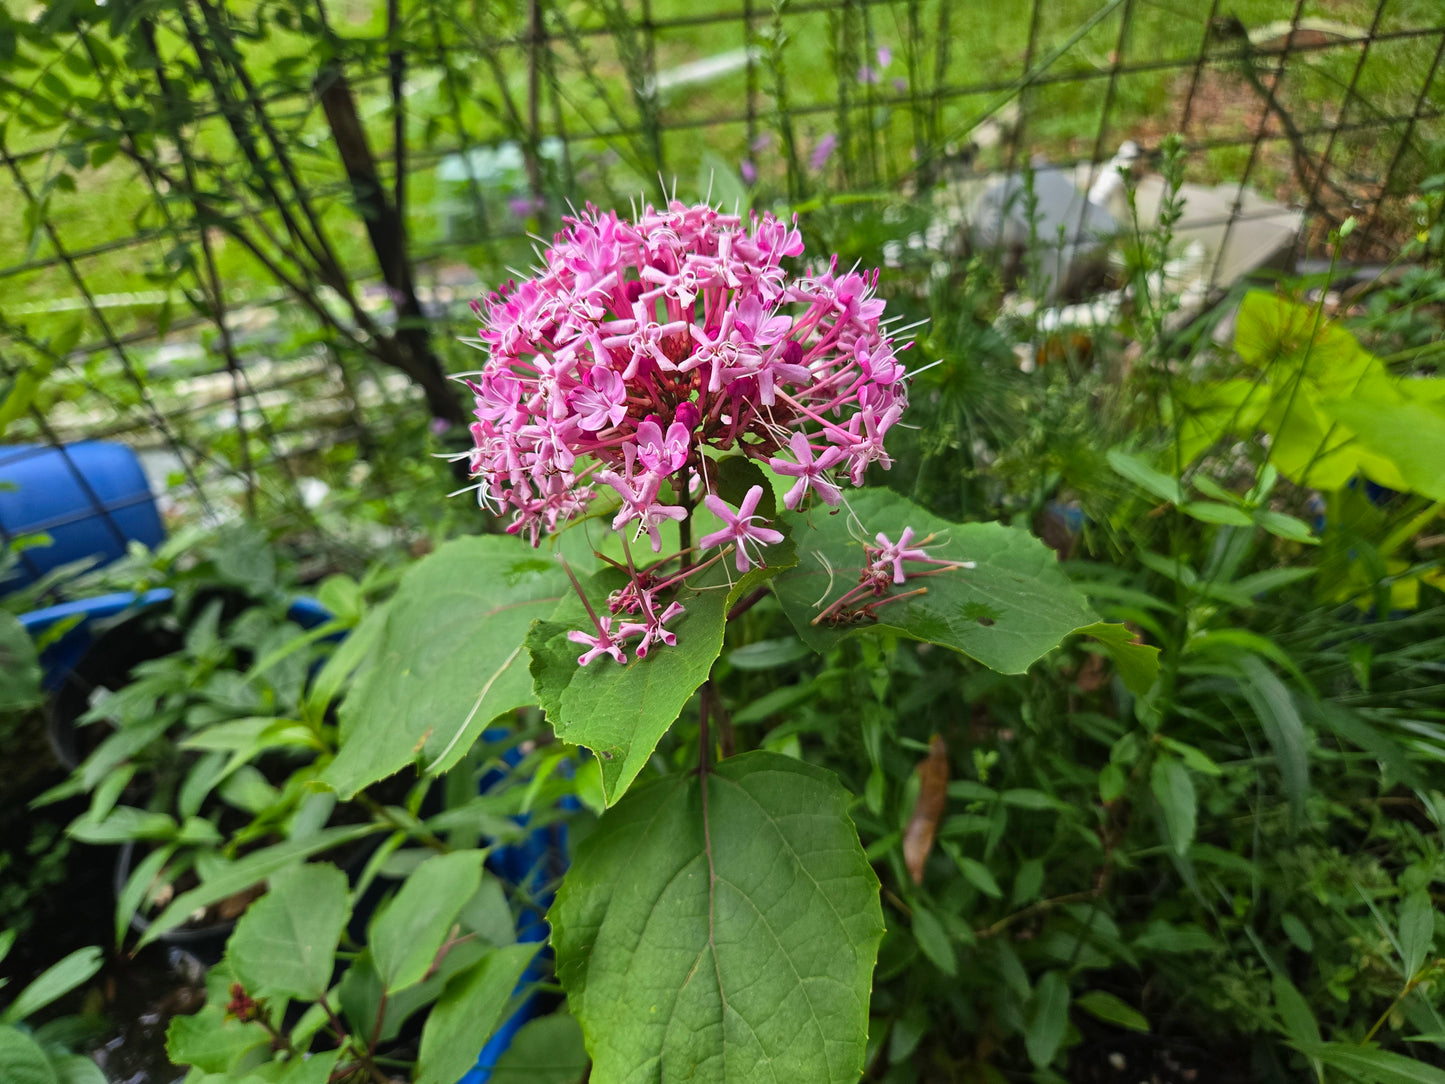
[1174, 791]
[19, 666]
[1105, 1006]
[1371, 1065]
[1294, 1011]
[54, 982]
[1417, 930]
[933, 940]
[548, 1050]
[212, 1041]
[76, 1069]
[1275, 708]
[1048, 1018]
[710, 928]
[1137, 663]
[251, 870]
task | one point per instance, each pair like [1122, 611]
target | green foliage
[722, 927]
[26, 1056]
[448, 659]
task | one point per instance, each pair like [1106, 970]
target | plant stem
[1391, 1008]
[417, 830]
[702, 745]
[743, 605]
[726, 742]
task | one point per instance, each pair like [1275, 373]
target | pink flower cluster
[637, 345]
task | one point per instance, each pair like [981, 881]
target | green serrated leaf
[1006, 612]
[449, 659]
[19, 665]
[468, 1013]
[407, 936]
[211, 1041]
[709, 928]
[285, 943]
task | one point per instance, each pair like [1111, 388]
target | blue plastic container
[532, 863]
[91, 498]
[61, 657]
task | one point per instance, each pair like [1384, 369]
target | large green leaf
[1006, 612]
[407, 936]
[620, 712]
[21, 1059]
[722, 929]
[54, 982]
[285, 943]
[448, 661]
[468, 1012]
[1409, 435]
[19, 666]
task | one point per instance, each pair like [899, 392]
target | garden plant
[787, 649]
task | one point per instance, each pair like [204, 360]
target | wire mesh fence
[242, 241]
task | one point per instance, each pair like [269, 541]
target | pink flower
[598, 403]
[661, 454]
[748, 171]
[808, 472]
[599, 645]
[896, 553]
[739, 527]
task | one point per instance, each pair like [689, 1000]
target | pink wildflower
[896, 553]
[641, 349]
[739, 527]
[601, 644]
[808, 471]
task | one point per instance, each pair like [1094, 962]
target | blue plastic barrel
[534, 864]
[91, 498]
